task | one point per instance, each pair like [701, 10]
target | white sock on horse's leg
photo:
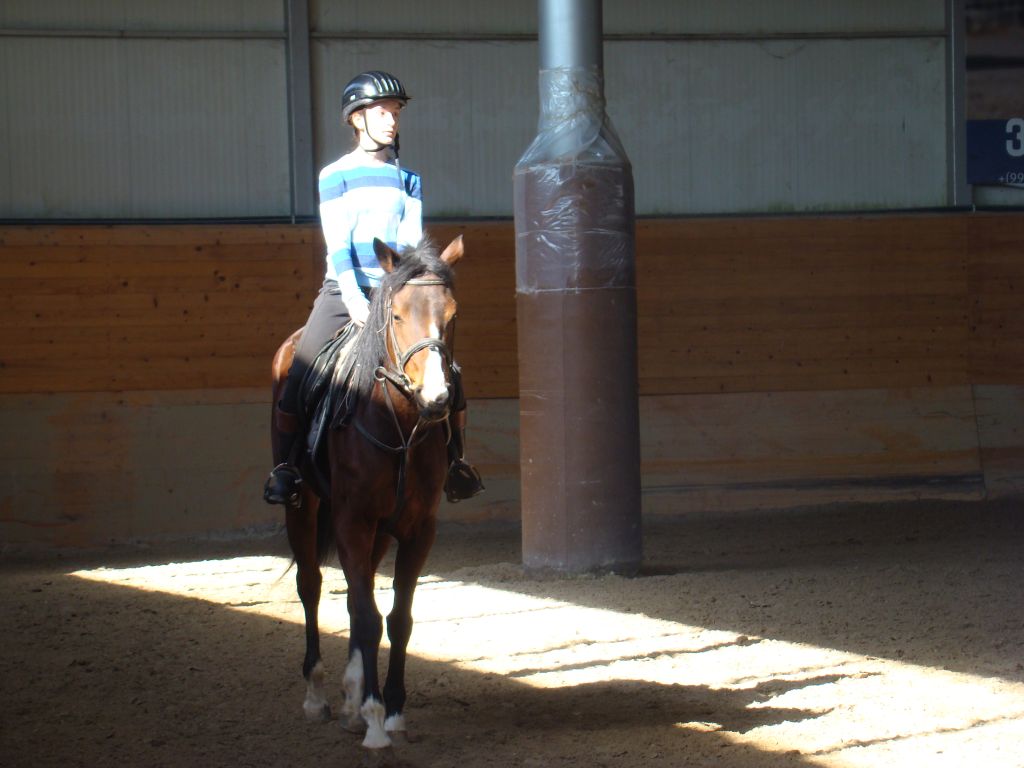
[373, 714]
[315, 706]
[352, 720]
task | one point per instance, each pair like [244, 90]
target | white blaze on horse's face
[435, 386]
[425, 316]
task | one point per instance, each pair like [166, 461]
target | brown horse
[385, 469]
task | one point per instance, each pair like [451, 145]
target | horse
[385, 469]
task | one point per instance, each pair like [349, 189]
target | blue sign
[995, 151]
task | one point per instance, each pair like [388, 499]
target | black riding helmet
[369, 87]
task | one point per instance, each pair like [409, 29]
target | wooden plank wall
[783, 361]
[149, 308]
[726, 305]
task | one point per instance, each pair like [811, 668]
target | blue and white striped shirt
[362, 198]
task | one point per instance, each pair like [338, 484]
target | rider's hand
[359, 313]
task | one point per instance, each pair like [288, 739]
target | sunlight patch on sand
[833, 707]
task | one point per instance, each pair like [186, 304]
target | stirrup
[282, 486]
[463, 481]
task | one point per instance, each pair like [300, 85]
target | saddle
[325, 399]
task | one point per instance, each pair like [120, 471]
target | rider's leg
[463, 481]
[282, 486]
[326, 318]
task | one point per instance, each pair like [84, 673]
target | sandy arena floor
[886, 636]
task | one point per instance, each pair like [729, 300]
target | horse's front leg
[409, 561]
[363, 700]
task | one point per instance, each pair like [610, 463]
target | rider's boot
[463, 481]
[284, 482]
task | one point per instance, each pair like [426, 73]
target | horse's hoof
[394, 726]
[354, 723]
[318, 714]
[403, 737]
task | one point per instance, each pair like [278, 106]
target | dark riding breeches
[328, 316]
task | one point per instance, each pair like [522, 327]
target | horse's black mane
[369, 348]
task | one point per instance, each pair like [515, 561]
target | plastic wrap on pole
[573, 192]
[579, 432]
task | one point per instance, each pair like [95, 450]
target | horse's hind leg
[409, 562]
[301, 523]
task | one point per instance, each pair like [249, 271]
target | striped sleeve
[410, 228]
[336, 220]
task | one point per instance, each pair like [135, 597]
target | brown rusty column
[576, 313]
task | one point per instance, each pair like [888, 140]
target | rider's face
[379, 120]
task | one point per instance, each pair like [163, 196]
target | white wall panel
[209, 131]
[456, 18]
[717, 126]
[6, 147]
[778, 17]
[781, 125]
[106, 128]
[797, 105]
[148, 15]
[68, 128]
[462, 17]
[474, 111]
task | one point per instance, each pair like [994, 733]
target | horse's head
[421, 311]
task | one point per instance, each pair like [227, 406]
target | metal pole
[959, 193]
[300, 111]
[570, 34]
[576, 313]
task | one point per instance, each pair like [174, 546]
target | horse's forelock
[415, 262]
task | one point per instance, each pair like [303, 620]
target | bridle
[393, 372]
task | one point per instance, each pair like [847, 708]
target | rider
[363, 195]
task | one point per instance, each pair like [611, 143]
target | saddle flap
[323, 386]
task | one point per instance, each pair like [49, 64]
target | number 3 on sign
[1015, 145]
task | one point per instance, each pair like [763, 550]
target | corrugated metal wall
[736, 106]
[180, 110]
[143, 110]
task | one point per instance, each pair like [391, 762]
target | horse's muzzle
[435, 410]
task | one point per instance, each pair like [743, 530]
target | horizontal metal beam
[496, 37]
[629, 36]
[142, 34]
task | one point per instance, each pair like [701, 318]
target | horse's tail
[324, 532]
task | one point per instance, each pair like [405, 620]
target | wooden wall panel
[725, 305]
[783, 361]
[86, 469]
[997, 292]
[90, 469]
[740, 305]
[150, 308]
[486, 291]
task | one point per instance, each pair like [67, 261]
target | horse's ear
[453, 252]
[385, 255]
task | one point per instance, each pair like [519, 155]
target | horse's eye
[397, 318]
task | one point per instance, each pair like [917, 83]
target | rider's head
[370, 104]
